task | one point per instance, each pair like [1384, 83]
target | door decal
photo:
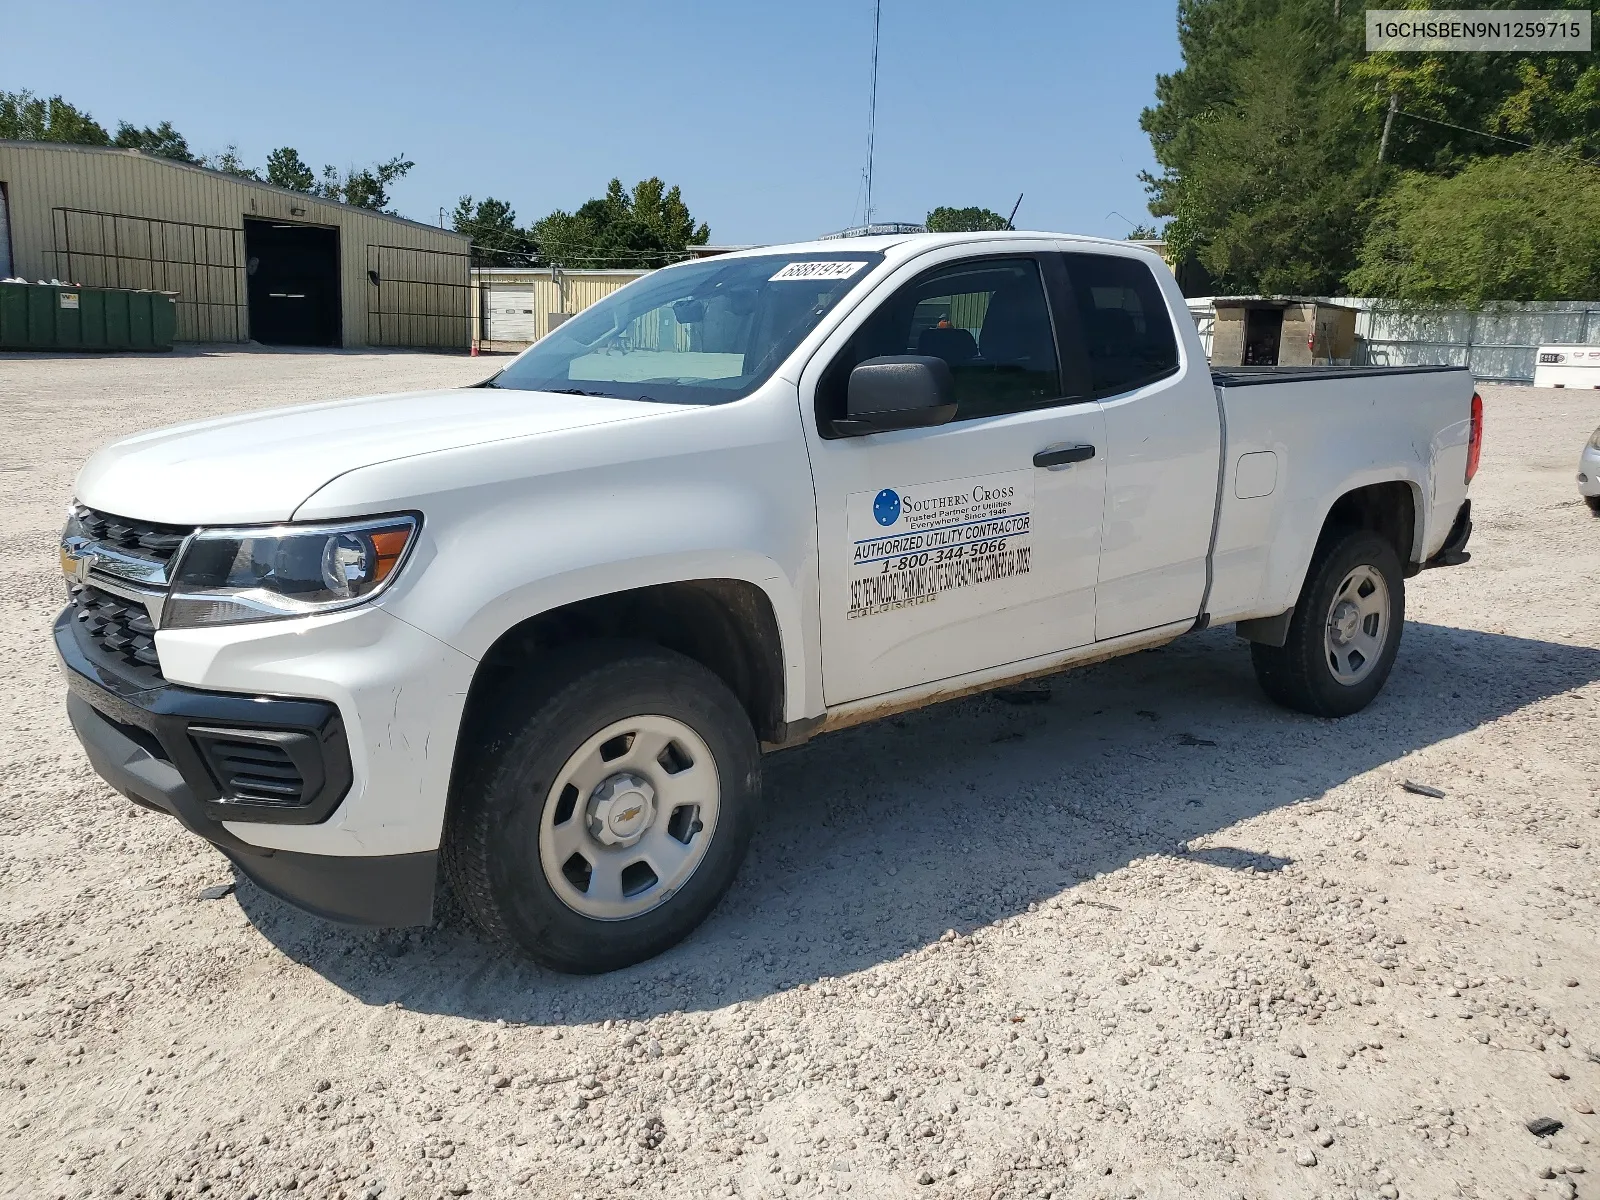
[910, 545]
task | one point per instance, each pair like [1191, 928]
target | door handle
[1061, 456]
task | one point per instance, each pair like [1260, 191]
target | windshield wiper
[577, 392]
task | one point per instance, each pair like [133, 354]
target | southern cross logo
[886, 507]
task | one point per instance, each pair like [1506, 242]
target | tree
[366, 188]
[1143, 233]
[647, 227]
[1543, 99]
[1269, 157]
[1268, 135]
[964, 220]
[492, 226]
[1508, 227]
[286, 169]
[163, 141]
[229, 163]
[25, 117]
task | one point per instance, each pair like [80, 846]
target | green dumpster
[39, 316]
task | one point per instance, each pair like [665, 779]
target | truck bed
[1290, 450]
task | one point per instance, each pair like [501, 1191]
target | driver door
[948, 550]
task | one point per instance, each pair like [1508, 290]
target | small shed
[1281, 331]
[513, 307]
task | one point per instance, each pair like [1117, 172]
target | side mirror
[901, 391]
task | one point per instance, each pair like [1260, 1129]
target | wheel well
[1387, 509]
[726, 625]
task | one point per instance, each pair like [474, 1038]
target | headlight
[1594, 442]
[232, 575]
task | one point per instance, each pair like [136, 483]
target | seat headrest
[956, 346]
[1016, 329]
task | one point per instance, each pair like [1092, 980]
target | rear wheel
[1345, 632]
[607, 819]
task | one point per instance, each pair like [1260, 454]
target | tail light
[1475, 442]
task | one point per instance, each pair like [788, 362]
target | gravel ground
[1152, 937]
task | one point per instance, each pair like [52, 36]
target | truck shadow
[879, 839]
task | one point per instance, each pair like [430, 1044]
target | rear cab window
[1128, 339]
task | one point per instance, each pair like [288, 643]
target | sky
[757, 110]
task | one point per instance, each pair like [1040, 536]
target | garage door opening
[1263, 333]
[293, 288]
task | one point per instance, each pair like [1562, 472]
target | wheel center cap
[1344, 622]
[621, 809]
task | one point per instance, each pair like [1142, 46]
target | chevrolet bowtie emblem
[631, 813]
[77, 561]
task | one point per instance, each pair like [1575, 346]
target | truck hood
[261, 466]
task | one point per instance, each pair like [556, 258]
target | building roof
[242, 181]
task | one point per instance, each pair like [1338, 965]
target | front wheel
[1345, 632]
[611, 813]
[1594, 504]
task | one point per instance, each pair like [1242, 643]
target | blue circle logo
[886, 507]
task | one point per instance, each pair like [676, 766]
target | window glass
[1126, 330]
[987, 318]
[702, 333]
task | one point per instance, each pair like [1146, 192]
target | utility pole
[872, 106]
[1388, 123]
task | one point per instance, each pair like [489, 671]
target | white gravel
[1067, 949]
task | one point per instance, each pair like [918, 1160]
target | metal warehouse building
[247, 261]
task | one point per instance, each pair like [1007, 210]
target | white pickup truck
[532, 637]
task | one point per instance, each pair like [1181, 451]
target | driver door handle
[1061, 456]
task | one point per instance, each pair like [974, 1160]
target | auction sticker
[911, 545]
[818, 270]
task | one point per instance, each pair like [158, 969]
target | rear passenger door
[1162, 441]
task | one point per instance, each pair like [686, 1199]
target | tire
[1337, 656]
[1594, 504]
[583, 876]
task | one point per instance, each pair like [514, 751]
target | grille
[121, 629]
[257, 768]
[143, 537]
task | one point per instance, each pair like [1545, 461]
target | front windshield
[703, 333]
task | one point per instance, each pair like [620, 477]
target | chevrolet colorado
[533, 636]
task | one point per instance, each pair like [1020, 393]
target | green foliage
[163, 141]
[648, 227]
[1143, 233]
[1512, 227]
[286, 169]
[229, 163]
[25, 117]
[492, 226]
[1547, 99]
[963, 220]
[1268, 135]
[1269, 164]
[366, 188]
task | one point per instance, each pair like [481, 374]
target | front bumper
[1589, 472]
[159, 746]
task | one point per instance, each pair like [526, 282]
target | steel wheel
[629, 817]
[1357, 625]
